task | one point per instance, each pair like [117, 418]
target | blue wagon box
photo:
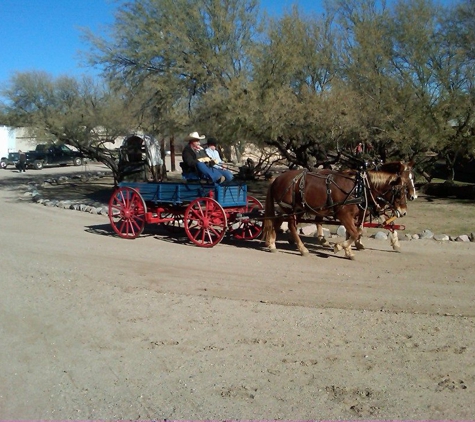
[229, 195]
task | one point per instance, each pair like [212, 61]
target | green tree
[81, 113]
[293, 95]
[174, 53]
[456, 74]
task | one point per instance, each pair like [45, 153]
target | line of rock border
[92, 207]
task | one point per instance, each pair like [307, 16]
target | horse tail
[269, 216]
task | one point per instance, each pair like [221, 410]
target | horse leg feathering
[393, 238]
[269, 230]
[352, 231]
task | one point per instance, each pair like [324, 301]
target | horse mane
[396, 167]
[380, 179]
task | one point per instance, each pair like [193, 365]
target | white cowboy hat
[194, 135]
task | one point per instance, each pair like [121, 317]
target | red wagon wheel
[205, 222]
[127, 212]
[250, 227]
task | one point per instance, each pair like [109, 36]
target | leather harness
[358, 195]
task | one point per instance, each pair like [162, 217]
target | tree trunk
[450, 165]
[238, 154]
[172, 153]
[163, 171]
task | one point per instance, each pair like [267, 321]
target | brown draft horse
[346, 197]
[405, 170]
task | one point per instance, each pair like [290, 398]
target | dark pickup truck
[11, 160]
[53, 155]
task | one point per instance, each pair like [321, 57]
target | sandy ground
[97, 327]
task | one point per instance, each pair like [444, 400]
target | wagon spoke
[198, 213]
[124, 227]
[136, 222]
[122, 198]
[214, 231]
[203, 236]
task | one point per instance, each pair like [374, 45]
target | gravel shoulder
[97, 327]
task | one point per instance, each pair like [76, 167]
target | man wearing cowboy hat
[195, 159]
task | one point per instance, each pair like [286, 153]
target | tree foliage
[77, 112]
[396, 76]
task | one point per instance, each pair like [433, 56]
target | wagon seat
[193, 176]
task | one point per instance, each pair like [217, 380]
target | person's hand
[211, 163]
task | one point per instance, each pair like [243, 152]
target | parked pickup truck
[11, 160]
[53, 155]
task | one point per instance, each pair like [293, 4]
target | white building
[14, 139]
[7, 140]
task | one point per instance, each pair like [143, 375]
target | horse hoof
[305, 253]
[360, 247]
[273, 250]
[337, 248]
[321, 241]
[397, 249]
[351, 257]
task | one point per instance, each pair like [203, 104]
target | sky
[44, 35]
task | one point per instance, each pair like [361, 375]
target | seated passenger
[195, 159]
[213, 153]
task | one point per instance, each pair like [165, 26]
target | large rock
[381, 236]
[308, 230]
[426, 234]
[341, 231]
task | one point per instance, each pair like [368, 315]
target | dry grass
[440, 215]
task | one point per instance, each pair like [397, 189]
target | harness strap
[297, 179]
[328, 182]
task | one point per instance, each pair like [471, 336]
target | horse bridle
[396, 191]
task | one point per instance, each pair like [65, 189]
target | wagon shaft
[384, 226]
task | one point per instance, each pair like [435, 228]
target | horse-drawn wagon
[205, 211]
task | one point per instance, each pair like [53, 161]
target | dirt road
[97, 327]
